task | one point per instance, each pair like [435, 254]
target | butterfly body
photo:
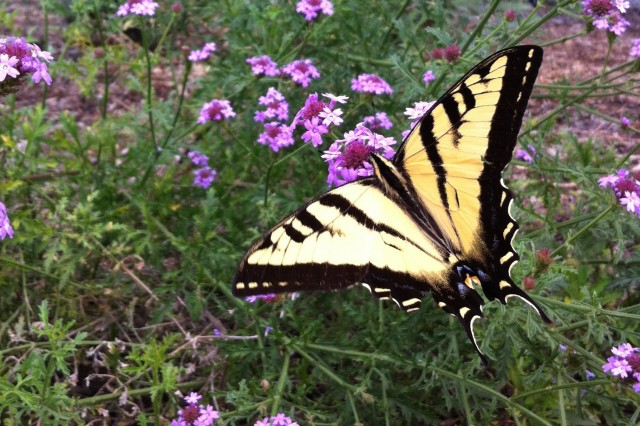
[434, 219]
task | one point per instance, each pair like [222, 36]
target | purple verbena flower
[624, 121]
[312, 108]
[635, 49]
[624, 350]
[263, 65]
[277, 106]
[193, 398]
[625, 363]
[268, 329]
[617, 367]
[202, 54]
[301, 71]
[428, 77]
[19, 58]
[632, 201]
[378, 121]
[204, 177]
[262, 422]
[216, 110]
[526, 154]
[5, 223]
[311, 8]
[207, 416]
[198, 158]
[348, 158]
[333, 99]
[589, 375]
[418, 110]
[370, 83]
[314, 132]
[331, 117]
[607, 14]
[608, 181]
[7, 66]
[280, 419]
[138, 7]
[276, 135]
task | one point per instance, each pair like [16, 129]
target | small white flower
[7, 66]
[339, 99]
[331, 117]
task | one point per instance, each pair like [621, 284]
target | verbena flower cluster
[626, 188]
[263, 65]
[527, 154]
[5, 224]
[205, 175]
[202, 54]
[216, 110]
[18, 59]
[276, 135]
[194, 414]
[138, 7]
[348, 158]
[279, 419]
[312, 8]
[607, 14]
[625, 363]
[301, 71]
[371, 83]
[380, 120]
[317, 116]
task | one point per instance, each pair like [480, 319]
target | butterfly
[434, 219]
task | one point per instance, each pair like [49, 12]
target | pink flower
[193, 398]
[204, 177]
[370, 83]
[311, 8]
[301, 71]
[418, 110]
[216, 110]
[276, 135]
[378, 121]
[331, 117]
[263, 65]
[635, 49]
[277, 106]
[5, 224]
[314, 131]
[348, 158]
[138, 7]
[618, 367]
[428, 77]
[7, 66]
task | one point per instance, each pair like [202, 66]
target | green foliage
[129, 264]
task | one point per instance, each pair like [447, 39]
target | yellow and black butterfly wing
[352, 234]
[454, 160]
